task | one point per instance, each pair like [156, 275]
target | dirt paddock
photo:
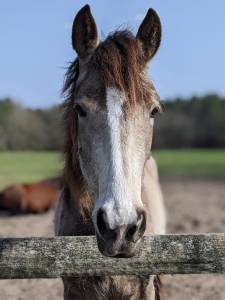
[193, 206]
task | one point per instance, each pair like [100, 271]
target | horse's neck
[72, 220]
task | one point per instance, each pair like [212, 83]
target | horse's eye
[155, 110]
[79, 109]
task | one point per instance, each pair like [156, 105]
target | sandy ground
[193, 206]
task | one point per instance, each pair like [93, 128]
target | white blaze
[117, 201]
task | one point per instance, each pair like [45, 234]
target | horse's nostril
[136, 231]
[103, 226]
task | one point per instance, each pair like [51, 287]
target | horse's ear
[149, 34]
[84, 33]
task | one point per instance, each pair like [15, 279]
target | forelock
[119, 59]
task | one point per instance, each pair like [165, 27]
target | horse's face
[114, 135]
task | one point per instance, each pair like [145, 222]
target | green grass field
[28, 166]
[192, 163]
[32, 166]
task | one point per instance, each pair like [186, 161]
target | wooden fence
[79, 256]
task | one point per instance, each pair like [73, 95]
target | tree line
[197, 122]
[29, 129]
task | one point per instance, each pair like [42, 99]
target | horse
[31, 198]
[111, 186]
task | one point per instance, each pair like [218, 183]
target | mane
[119, 59]
[72, 171]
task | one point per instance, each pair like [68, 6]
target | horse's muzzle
[123, 241]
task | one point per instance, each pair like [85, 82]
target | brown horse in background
[31, 198]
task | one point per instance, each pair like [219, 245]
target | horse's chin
[126, 250]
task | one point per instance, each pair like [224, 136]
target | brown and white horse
[112, 187]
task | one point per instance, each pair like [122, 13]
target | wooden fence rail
[79, 256]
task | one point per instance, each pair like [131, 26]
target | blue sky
[35, 45]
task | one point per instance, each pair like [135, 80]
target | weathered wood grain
[79, 256]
